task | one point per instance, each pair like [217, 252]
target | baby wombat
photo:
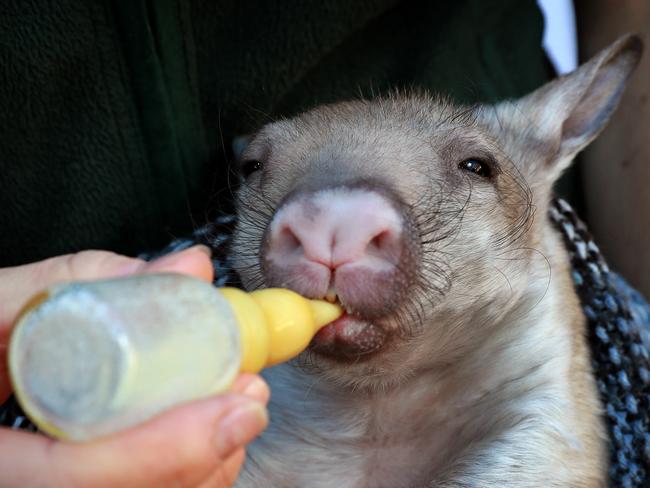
[461, 360]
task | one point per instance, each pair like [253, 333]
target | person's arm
[616, 167]
[199, 444]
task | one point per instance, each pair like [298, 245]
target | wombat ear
[572, 110]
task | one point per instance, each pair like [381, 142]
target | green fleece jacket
[117, 116]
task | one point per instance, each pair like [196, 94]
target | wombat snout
[351, 243]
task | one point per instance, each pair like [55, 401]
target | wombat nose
[336, 227]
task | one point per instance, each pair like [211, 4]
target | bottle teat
[276, 324]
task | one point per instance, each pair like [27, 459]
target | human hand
[198, 444]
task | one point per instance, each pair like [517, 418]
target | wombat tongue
[348, 336]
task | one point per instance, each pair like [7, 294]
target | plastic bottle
[88, 359]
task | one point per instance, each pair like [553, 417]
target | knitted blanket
[618, 331]
[619, 335]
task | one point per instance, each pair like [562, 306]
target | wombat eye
[476, 166]
[249, 167]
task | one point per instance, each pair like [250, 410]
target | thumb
[182, 447]
[19, 283]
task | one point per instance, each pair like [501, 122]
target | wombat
[461, 359]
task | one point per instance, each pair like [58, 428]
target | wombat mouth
[349, 337]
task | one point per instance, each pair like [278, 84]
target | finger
[194, 261]
[19, 283]
[226, 475]
[253, 386]
[182, 447]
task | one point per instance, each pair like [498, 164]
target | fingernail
[257, 390]
[239, 427]
[173, 257]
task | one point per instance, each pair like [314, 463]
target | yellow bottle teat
[276, 324]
